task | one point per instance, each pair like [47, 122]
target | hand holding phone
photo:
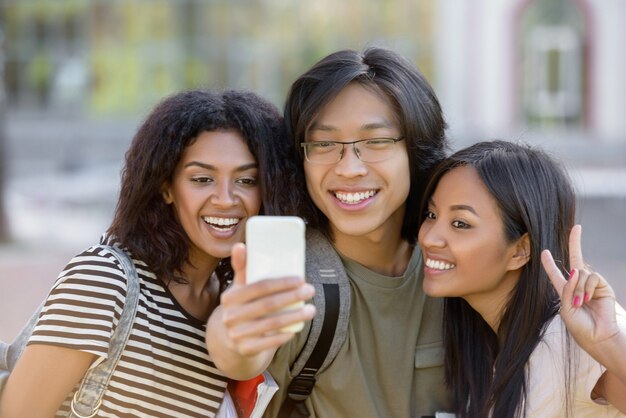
[275, 249]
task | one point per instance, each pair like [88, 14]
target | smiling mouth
[354, 198]
[439, 265]
[223, 224]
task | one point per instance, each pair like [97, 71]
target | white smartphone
[275, 248]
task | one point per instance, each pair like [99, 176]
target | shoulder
[95, 265]
[558, 361]
[85, 303]
[554, 328]
[550, 350]
[546, 369]
[318, 244]
[550, 357]
[95, 274]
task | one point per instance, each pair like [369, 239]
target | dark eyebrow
[468, 208]
[383, 124]
[464, 207]
[244, 167]
[377, 125]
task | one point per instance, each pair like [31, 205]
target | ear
[167, 195]
[521, 253]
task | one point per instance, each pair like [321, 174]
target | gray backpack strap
[324, 267]
[329, 327]
[88, 397]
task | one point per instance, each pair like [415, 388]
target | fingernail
[309, 310]
[571, 273]
[307, 290]
[576, 301]
[586, 298]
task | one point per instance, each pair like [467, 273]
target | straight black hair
[405, 88]
[485, 370]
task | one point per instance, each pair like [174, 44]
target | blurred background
[78, 76]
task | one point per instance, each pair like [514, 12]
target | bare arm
[612, 384]
[612, 388]
[43, 377]
[244, 332]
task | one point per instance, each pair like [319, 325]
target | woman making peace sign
[508, 323]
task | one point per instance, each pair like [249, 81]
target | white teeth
[439, 265]
[224, 223]
[354, 198]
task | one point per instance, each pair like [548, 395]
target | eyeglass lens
[367, 150]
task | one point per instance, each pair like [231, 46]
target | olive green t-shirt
[391, 364]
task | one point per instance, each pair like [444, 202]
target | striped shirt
[165, 369]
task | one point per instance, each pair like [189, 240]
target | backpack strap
[329, 328]
[88, 397]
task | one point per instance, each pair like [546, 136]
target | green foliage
[137, 51]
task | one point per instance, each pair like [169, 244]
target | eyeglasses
[371, 150]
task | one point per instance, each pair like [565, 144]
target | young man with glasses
[369, 130]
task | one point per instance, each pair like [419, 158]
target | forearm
[611, 356]
[612, 384]
[611, 352]
[613, 390]
[227, 357]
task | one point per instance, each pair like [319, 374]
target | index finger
[554, 274]
[575, 248]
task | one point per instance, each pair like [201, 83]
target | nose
[350, 165]
[223, 194]
[430, 235]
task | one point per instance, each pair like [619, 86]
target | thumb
[238, 263]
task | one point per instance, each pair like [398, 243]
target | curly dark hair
[143, 223]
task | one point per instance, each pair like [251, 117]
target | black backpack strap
[329, 328]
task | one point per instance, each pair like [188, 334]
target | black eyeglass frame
[343, 144]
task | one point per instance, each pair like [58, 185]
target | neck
[491, 305]
[197, 273]
[199, 294]
[386, 254]
[490, 310]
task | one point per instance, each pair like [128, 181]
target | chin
[434, 291]
[219, 251]
[356, 227]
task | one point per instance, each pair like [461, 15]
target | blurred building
[555, 67]
[80, 74]
[115, 57]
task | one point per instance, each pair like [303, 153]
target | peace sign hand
[587, 300]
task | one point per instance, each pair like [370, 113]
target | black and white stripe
[165, 369]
